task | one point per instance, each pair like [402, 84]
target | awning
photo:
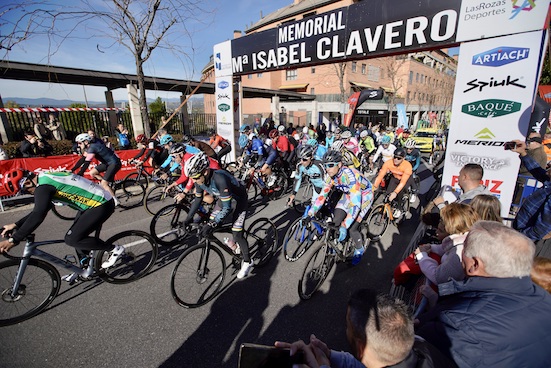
[295, 86]
[389, 90]
[359, 84]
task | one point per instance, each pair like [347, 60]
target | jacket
[491, 322]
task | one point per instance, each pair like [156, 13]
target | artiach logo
[501, 56]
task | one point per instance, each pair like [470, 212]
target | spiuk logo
[522, 5]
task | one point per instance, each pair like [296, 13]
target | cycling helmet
[346, 134]
[211, 132]
[268, 141]
[83, 137]
[400, 152]
[13, 180]
[385, 140]
[243, 141]
[281, 128]
[165, 139]
[337, 145]
[244, 128]
[186, 139]
[410, 143]
[141, 138]
[305, 130]
[196, 164]
[177, 148]
[312, 142]
[406, 131]
[338, 131]
[306, 151]
[332, 156]
[363, 134]
[273, 133]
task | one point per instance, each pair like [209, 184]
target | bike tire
[143, 179]
[303, 197]
[297, 240]
[155, 199]
[377, 221]
[167, 226]
[198, 275]
[405, 207]
[282, 184]
[130, 193]
[140, 256]
[263, 241]
[64, 212]
[315, 272]
[252, 190]
[31, 300]
[233, 168]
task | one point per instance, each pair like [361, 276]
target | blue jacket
[491, 322]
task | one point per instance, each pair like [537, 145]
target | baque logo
[491, 108]
[500, 56]
[523, 5]
[485, 134]
[223, 107]
[480, 84]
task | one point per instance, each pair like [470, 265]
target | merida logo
[491, 108]
[223, 107]
[485, 134]
[500, 56]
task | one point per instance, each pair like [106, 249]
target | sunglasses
[305, 158]
[398, 158]
[331, 164]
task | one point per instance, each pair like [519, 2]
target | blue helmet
[312, 142]
[243, 141]
[165, 139]
[385, 140]
[244, 128]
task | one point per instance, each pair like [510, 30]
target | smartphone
[262, 356]
[509, 145]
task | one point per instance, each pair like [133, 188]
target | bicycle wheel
[139, 177]
[316, 271]
[233, 168]
[377, 221]
[167, 226]
[252, 189]
[38, 288]
[156, 198]
[198, 275]
[130, 193]
[262, 239]
[280, 186]
[64, 212]
[303, 197]
[140, 255]
[297, 240]
[404, 207]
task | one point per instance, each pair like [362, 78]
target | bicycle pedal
[69, 258]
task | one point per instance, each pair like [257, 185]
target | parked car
[424, 138]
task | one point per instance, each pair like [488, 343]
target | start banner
[60, 163]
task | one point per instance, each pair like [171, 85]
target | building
[423, 82]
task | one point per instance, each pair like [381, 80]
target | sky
[99, 54]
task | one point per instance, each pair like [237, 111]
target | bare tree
[393, 68]
[340, 70]
[141, 26]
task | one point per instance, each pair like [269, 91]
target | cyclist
[312, 169]
[110, 162]
[349, 142]
[169, 166]
[96, 206]
[264, 155]
[366, 143]
[151, 150]
[320, 149]
[385, 150]
[215, 141]
[413, 156]
[281, 143]
[354, 203]
[225, 187]
[403, 138]
[400, 179]
[348, 159]
[189, 140]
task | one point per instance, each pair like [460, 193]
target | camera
[509, 146]
[261, 356]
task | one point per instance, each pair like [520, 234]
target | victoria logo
[223, 107]
[480, 84]
[223, 85]
[491, 108]
[500, 56]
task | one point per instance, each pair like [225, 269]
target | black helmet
[332, 156]
[211, 132]
[177, 148]
[400, 152]
[306, 151]
[186, 139]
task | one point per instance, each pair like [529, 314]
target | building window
[408, 97]
[313, 70]
[354, 66]
[250, 76]
[416, 77]
[364, 68]
[259, 75]
[410, 81]
[373, 73]
[312, 91]
[307, 15]
[291, 74]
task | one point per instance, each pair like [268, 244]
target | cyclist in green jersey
[95, 204]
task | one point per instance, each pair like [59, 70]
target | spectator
[105, 140]
[534, 216]
[3, 154]
[534, 149]
[56, 128]
[29, 146]
[322, 133]
[487, 207]
[380, 331]
[40, 130]
[541, 273]
[496, 317]
[44, 148]
[122, 137]
[547, 144]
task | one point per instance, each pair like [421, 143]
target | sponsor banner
[362, 30]
[222, 59]
[484, 19]
[493, 97]
[402, 115]
[60, 163]
[352, 103]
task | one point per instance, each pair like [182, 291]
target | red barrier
[59, 163]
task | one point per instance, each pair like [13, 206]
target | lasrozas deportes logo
[491, 108]
[501, 56]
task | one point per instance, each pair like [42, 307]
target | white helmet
[337, 145]
[281, 128]
[196, 164]
[410, 143]
[305, 130]
[363, 134]
[83, 137]
[346, 134]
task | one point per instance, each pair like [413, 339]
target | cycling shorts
[110, 171]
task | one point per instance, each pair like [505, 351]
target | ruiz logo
[223, 85]
[526, 5]
[500, 56]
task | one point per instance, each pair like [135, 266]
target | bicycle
[304, 195]
[323, 259]
[28, 284]
[64, 211]
[157, 197]
[200, 271]
[384, 213]
[255, 183]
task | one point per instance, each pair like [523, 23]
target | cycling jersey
[218, 141]
[151, 150]
[75, 191]
[351, 145]
[213, 164]
[401, 172]
[320, 152]
[102, 153]
[357, 194]
[314, 172]
[414, 158]
[386, 153]
[170, 162]
[367, 143]
[266, 154]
